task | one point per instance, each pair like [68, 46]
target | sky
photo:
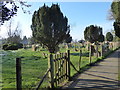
[79, 14]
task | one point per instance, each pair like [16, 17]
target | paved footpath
[103, 76]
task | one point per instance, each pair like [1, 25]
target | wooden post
[90, 54]
[18, 74]
[58, 64]
[56, 67]
[97, 49]
[80, 59]
[66, 66]
[101, 50]
[51, 74]
[69, 65]
[60, 68]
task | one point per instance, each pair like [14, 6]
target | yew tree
[68, 39]
[109, 36]
[93, 34]
[115, 9]
[50, 27]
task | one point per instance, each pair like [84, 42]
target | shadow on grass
[78, 54]
[31, 58]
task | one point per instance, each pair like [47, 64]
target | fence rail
[40, 83]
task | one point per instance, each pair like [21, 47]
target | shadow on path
[103, 75]
[93, 84]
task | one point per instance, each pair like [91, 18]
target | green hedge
[12, 46]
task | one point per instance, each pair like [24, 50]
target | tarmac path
[102, 76]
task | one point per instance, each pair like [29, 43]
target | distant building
[24, 41]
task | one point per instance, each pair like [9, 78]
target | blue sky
[79, 14]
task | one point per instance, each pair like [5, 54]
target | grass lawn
[34, 66]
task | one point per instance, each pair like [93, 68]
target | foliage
[93, 33]
[13, 34]
[4, 46]
[101, 38]
[117, 28]
[115, 9]
[49, 26]
[14, 39]
[8, 12]
[109, 36]
[12, 46]
[68, 39]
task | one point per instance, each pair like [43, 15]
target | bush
[4, 46]
[10, 47]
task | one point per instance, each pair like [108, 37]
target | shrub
[10, 47]
[4, 46]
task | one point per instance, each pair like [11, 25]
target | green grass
[34, 66]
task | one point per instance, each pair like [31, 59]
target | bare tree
[110, 15]
[14, 35]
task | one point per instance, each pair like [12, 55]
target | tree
[115, 9]
[109, 36]
[68, 39]
[117, 28]
[115, 12]
[7, 13]
[93, 33]
[14, 35]
[101, 38]
[50, 27]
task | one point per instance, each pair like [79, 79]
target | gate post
[18, 74]
[80, 59]
[51, 74]
[90, 54]
[69, 78]
[101, 50]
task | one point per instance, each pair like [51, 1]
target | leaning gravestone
[33, 47]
